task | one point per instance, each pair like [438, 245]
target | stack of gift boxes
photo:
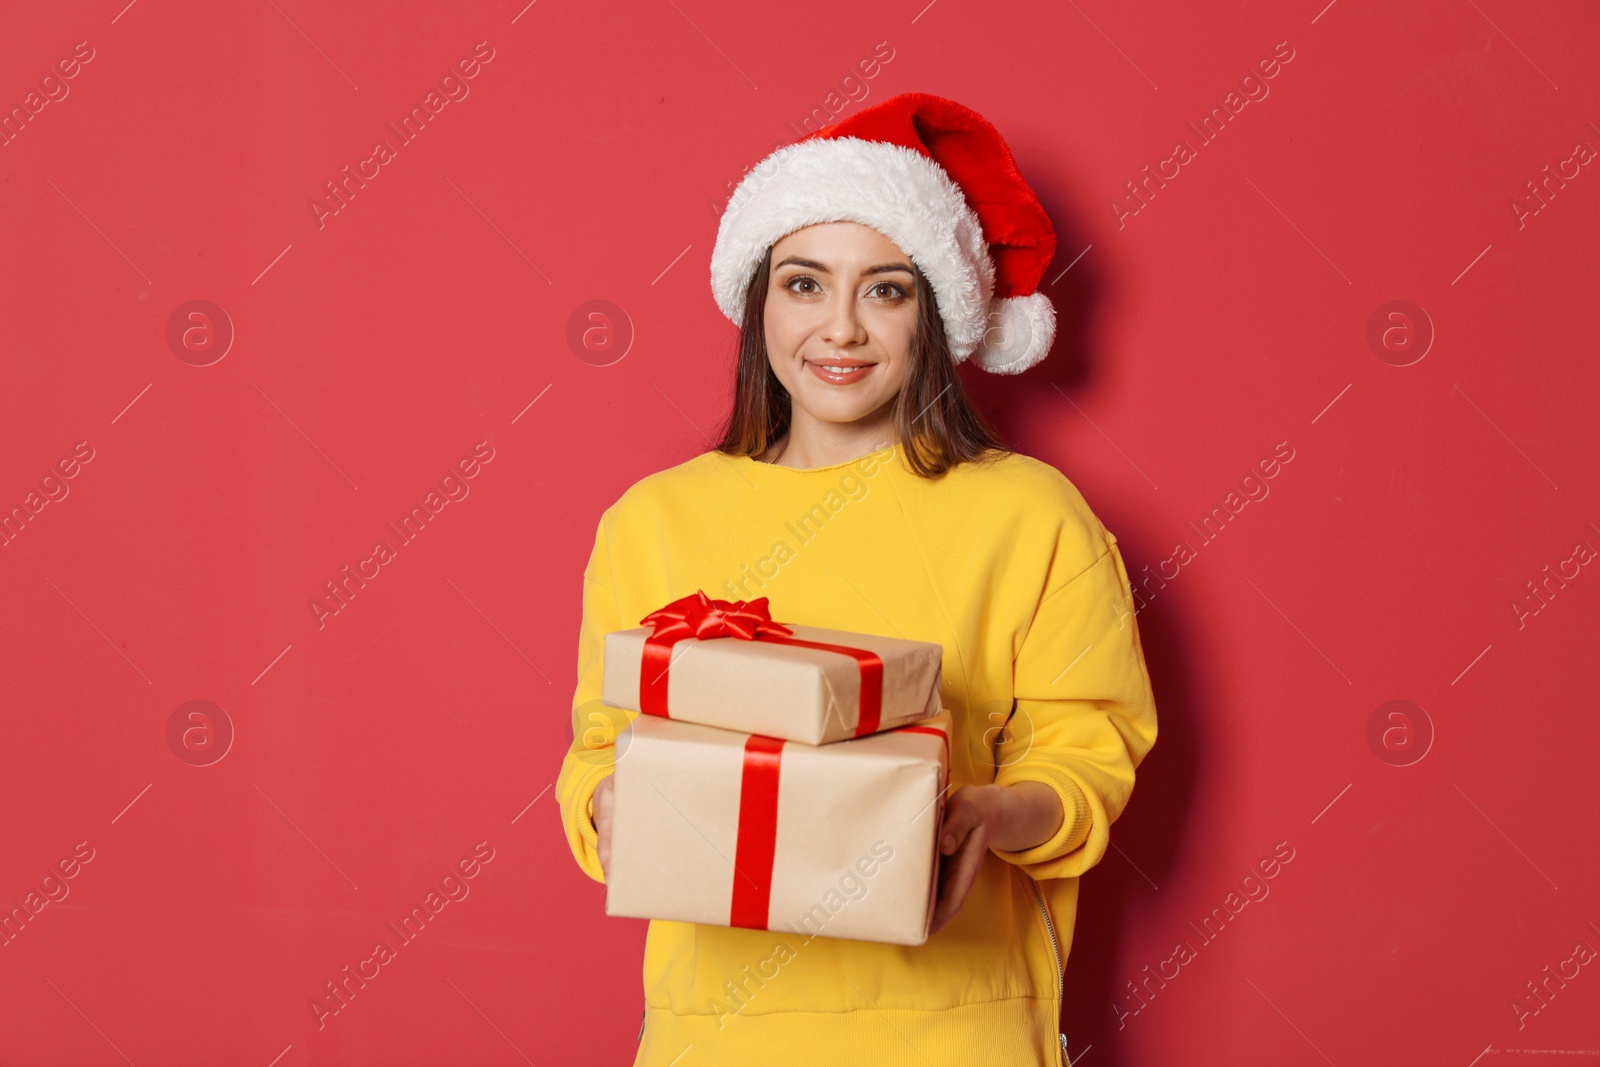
[778, 776]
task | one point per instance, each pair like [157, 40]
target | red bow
[697, 615]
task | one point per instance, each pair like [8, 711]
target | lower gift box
[731, 829]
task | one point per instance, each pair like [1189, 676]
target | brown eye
[790, 284]
[895, 292]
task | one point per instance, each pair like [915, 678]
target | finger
[966, 863]
[959, 819]
[943, 907]
[953, 868]
[945, 878]
[957, 875]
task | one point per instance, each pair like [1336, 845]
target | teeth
[838, 369]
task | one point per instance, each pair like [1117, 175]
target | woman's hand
[977, 817]
[970, 819]
[602, 822]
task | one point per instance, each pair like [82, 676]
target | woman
[857, 489]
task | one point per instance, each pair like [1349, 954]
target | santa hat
[935, 178]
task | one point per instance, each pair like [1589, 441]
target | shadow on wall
[1153, 827]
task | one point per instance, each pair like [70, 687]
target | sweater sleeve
[1085, 713]
[595, 725]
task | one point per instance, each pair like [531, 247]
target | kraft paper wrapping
[800, 694]
[857, 823]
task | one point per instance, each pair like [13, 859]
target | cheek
[893, 382]
[893, 331]
[783, 330]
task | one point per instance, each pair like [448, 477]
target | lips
[848, 370]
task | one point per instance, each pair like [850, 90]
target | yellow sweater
[1002, 563]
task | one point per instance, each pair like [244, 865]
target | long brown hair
[937, 425]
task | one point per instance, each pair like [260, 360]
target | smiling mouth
[840, 373]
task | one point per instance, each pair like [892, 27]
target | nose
[843, 325]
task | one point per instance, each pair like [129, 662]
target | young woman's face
[840, 314]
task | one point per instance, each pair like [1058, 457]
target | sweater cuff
[1075, 814]
[583, 800]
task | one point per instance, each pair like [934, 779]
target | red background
[1227, 315]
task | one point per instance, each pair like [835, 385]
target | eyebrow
[881, 268]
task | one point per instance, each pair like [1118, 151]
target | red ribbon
[757, 843]
[700, 617]
[931, 730]
[758, 833]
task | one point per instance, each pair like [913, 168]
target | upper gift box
[728, 664]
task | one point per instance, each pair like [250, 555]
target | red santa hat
[935, 178]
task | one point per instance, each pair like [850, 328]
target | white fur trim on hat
[1021, 329]
[897, 191]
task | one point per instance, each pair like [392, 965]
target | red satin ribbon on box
[757, 843]
[758, 833]
[700, 617]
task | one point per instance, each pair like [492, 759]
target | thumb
[959, 819]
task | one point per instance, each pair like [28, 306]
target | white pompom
[1018, 335]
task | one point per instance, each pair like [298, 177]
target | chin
[832, 407]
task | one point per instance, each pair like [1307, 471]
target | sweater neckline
[884, 454]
